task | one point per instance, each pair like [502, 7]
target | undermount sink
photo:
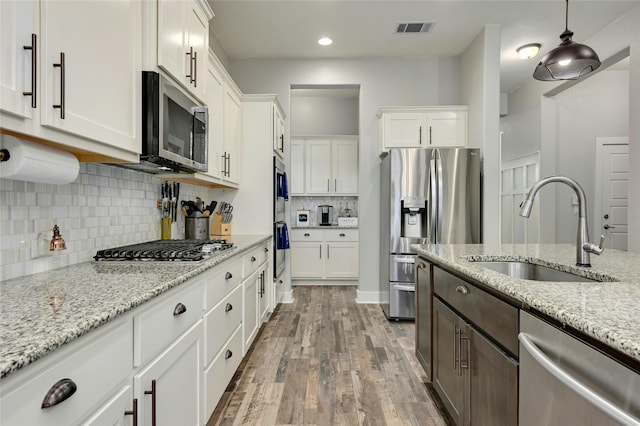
[532, 271]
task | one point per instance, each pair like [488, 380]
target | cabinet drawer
[221, 321]
[251, 261]
[341, 235]
[219, 374]
[96, 366]
[494, 316]
[306, 234]
[222, 281]
[159, 325]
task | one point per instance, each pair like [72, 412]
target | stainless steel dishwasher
[563, 381]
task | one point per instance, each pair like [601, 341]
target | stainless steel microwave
[174, 127]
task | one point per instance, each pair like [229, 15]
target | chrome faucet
[583, 246]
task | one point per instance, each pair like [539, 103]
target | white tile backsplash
[106, 206]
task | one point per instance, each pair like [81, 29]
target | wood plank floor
[325, 360]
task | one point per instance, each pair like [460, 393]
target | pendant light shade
[569, 61]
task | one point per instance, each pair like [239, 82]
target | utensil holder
[218, 228]
[196, 228]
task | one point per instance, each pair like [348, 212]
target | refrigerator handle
[433, 200]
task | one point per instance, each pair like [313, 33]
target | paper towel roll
[34, 162]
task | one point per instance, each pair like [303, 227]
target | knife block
[218, 228]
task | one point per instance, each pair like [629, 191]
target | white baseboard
[368, 297]
[324, 282]
[287, 297]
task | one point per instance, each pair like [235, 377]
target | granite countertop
[606, 311]
[41, 312]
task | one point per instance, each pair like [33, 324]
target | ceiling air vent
[413, 27]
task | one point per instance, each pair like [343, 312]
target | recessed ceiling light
[325, 41]
[528, 51]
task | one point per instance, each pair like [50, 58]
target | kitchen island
[42, 312]
[606, 311]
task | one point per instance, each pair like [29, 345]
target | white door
[613, 177]
[446, 128]
[250, 323]
[344, 164]
[215, 96]
[171, 34]
[307, 260]
[404, 130]
[197, 38]
[232, 135]
[342, 260]
[318, 166]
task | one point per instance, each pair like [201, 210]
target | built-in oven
[280, 232]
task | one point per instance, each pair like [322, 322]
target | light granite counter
[606, 311]
[41, 312]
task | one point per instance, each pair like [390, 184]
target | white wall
[480, 89]
[383, 82]
[323, 115]
[532, 124]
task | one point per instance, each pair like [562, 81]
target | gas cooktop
[165, 251]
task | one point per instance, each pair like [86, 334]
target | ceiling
[366, 29]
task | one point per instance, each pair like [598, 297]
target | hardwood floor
[325, 360]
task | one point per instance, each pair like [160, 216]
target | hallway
[325, 360]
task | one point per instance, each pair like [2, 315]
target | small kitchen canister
[196, 228]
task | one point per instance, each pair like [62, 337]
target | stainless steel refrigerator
[427, 195]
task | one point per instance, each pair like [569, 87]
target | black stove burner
[164, 250]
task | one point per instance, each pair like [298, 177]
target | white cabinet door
[296, 173]
[197, 46]
[171, 37]
[18, 22]
[342, 260]
[173, 380]
[278, 132]
[250, 323]
[447, 128]
[307, 260]
[344, 165]
[232, 136]
[264, 294]
[404, 130]
[318, 166]
[215, 103]
[90, 66]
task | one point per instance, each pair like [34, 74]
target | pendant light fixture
[568, 61]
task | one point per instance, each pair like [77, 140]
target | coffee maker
[325, 213]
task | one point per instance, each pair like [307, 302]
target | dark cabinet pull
[253, 258]
[179, 309]
[420, 135]
[152, 392]
[228, 276]
[462, 289]
[282, 143]
[430, 136]
[195, 69]
[342, 235]
[224, 164]
[34, 61]
[228, 164]
[307, 234]
[59, 392]
[190, 55]
[228, 354]
[266, 249]
[61, 105]
[133, 412]
[228, 307]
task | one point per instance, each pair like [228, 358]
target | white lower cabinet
[330, 254]
[168, 388]
[166, 362]
[98, 365]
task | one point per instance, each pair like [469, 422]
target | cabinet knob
[179, 309]
[228, 307]
[59, 392]
[228, 276]
[342, 235]
[307, 234]
[228, 354]
[462, 289]
[266, 249]
[253, 258]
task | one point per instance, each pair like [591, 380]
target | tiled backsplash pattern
[312, 203]
[107, 206]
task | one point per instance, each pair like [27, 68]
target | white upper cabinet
[90, 70]
[215, 103]
[278, 130]
[70, 75]
[183, 40]
[324, 166]
[232, 113]
[423, 127]
[18, 67]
